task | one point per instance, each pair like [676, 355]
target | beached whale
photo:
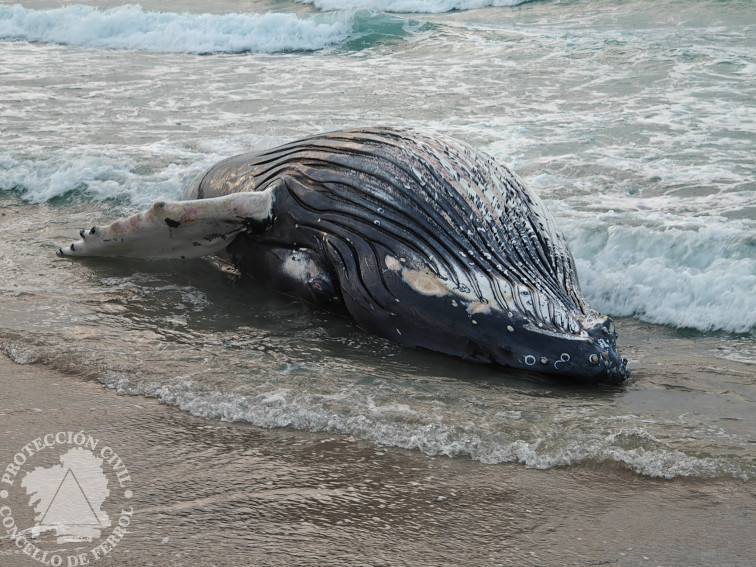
[421, 239]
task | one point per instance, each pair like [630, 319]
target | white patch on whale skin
[299, 266]
[425, 283]
[392, 263]
[183, 229]
[478, 307]
[419, 280]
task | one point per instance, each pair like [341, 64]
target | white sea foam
[398, 425]
[132, 27]
[135, 175]
[95, 176]
[697, 272]
[410, 6]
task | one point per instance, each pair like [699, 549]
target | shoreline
[208, 492]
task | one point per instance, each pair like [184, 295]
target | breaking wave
[132, 27]
[410, 6]
[694, 272]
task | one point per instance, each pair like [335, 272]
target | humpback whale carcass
[421, 239]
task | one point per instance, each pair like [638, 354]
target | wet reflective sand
[214, 493]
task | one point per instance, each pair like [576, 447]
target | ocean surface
[634, 120]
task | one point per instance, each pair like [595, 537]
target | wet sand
[215, 493]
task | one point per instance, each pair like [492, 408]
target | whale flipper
[179, 229]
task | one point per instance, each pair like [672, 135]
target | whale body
[421, 239]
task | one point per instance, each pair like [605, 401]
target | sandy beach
[215, 493]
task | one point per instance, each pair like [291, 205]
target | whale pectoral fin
[180, 229]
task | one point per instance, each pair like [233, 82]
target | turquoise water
[633, 120]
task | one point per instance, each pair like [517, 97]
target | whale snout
[603, 338]
[590, 356]
[615, 367]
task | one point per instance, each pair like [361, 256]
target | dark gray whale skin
[424, 241]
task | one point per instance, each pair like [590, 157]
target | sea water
[634, 120]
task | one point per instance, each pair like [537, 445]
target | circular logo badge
[65, 499]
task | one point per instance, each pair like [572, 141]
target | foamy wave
[131, 27]
[135, 175]
[695, 272]
[400, 426]
[410, 6]
[74, 174]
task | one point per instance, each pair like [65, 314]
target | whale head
[590, 354]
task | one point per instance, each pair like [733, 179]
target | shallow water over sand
[190, 335]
